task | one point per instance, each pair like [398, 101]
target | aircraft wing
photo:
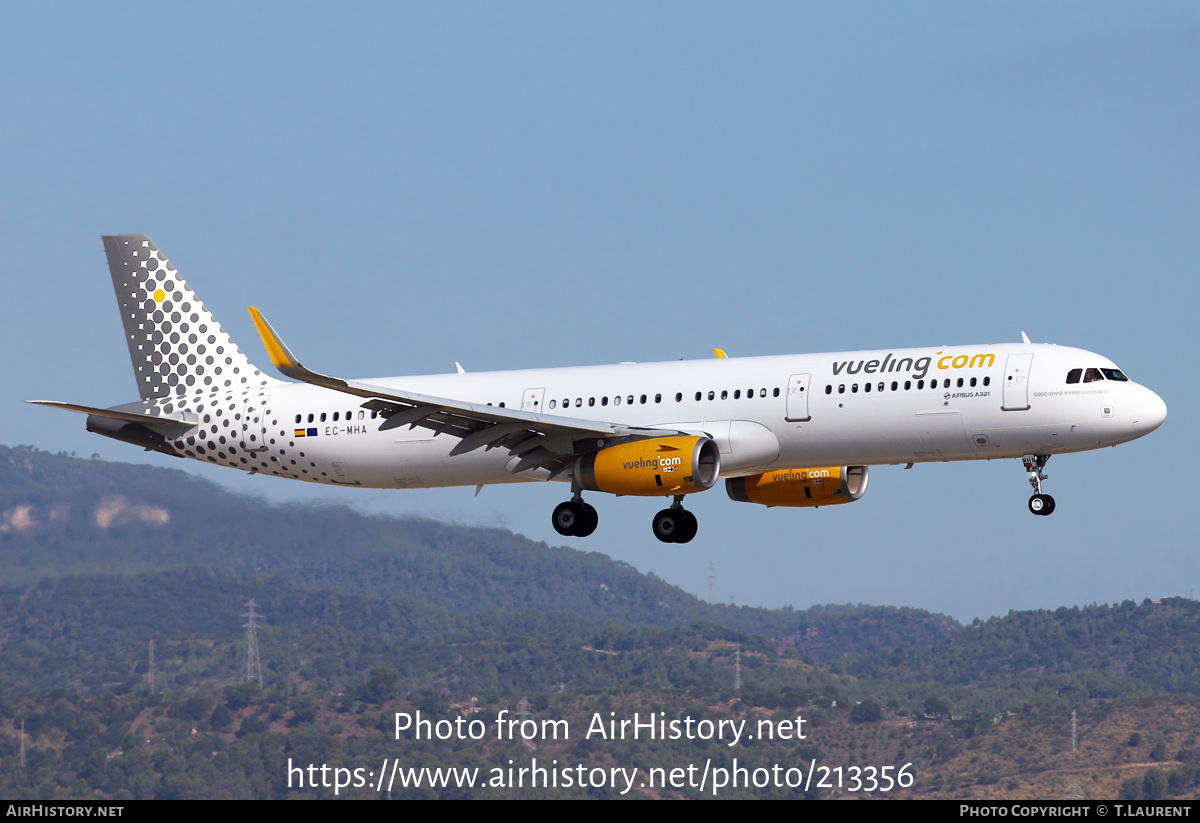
[540, 440]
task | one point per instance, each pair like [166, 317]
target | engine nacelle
[801, 487]
[652, 468]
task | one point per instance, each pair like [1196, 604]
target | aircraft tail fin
[177, 347]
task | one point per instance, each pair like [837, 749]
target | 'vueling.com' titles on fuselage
[918, 368]
[604, 428]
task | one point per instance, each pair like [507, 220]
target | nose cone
[1150, 413]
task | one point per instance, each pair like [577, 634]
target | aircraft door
[253, 428]
[797, 398]
[531, 401]
[1016, 382]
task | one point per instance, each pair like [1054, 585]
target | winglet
[720, 353]
[1025, 338]
[280, 356]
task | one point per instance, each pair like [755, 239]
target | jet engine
[652, 468]
[827, 486]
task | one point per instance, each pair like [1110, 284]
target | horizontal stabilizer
[168, 424]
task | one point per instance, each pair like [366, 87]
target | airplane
[792, 430]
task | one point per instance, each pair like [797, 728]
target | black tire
[589, 521]
[568, 517]
[666, 525]
[1041, 504]
[687, 528]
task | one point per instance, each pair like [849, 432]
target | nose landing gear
[676, 524]
[1041, 504]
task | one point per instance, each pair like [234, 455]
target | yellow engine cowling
[827, 486]
[652, 468]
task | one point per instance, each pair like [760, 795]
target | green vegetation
[368, 616]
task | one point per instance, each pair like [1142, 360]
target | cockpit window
[1073, 375]
[1115, 374]
[1092, 376]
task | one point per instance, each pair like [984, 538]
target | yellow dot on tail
[159, 295]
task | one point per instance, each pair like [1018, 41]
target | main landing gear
[1042, 504]
[575, 518]
[676, 524]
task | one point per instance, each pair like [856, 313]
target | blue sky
[400, 186]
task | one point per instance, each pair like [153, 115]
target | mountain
[62, 516]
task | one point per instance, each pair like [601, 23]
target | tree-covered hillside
[365, 615]
[61, 515]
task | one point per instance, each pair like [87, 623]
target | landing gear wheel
[575, 519]
[1041, 504]
[567, 517]
[687, 527]
[667, 525]
[675, 525]
[588, 523]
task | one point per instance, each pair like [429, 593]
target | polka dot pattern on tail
[174, 342]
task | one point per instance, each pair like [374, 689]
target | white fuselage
[849, 408]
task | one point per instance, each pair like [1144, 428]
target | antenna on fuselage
[1025, 339]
